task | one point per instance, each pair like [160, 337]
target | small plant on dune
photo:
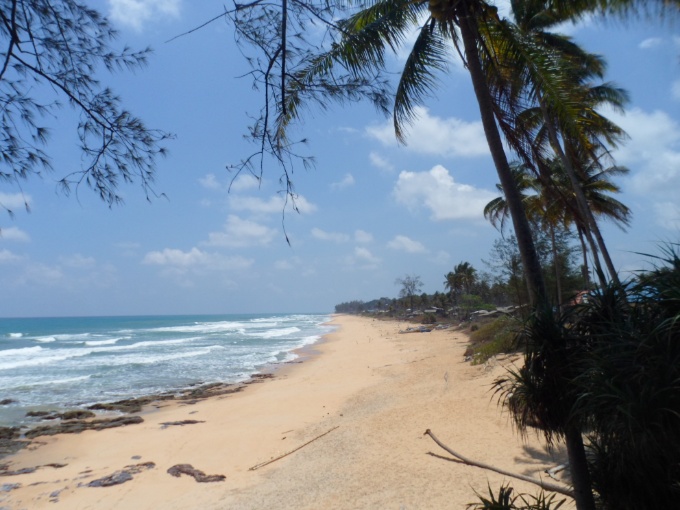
[505, 500]
[487, 340]
[429, 318]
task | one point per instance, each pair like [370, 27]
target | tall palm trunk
[557, 268]
[532, 266]
[527, 249]
[584, 251]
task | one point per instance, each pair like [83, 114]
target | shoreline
[40, 416]
[359, 402]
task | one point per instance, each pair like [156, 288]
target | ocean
[69, 363]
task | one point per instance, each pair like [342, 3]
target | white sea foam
[204, 327]
[23, 351]
[110, 341]
[275, 333]
[54, 382]
[58, 367]
[45, 339]
[15, 335]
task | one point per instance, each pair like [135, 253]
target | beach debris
[552, 472]
[262, 464]
[537, 481]
[122, 476]
[7, 487]
[187, 469]
[419, 329]
[167, 424]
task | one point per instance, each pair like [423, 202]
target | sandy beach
[363, 398]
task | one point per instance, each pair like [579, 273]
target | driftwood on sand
[537, 481]
[262, 464]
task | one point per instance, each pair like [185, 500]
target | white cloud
[441, 258]
[78, 261]
[210, 182]
[345, 182]
[7, 256]
[432, 135]
[364, 258]
[336, 237]
[274, 205]
[174, 257]
[244, 182]
[437, 191]
[403, 243]
[668, 215]
[13, 234]
[195, 259]
[362, 237]
[653, 155]
[14, 201]
[42, 274]
[379, 162]
[135, 13]
[240, 233]
[287, 264]
[652, 42]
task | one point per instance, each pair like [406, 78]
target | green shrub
[429, 318]
[493, 338]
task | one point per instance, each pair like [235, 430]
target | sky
[370, 211]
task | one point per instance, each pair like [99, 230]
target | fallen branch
[537, 481]
[262, 464]
[553, 472]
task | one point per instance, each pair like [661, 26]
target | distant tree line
[465, 289]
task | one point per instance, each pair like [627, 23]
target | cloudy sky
[370, 211]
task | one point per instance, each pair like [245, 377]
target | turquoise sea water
[67, 363]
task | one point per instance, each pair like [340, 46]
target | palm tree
[476, 32]
[365, 37]
[460, 281]
[558, 116]
[542, 208]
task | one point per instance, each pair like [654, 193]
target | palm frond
[418, 80]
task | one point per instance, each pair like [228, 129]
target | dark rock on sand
[180, 423]
[78, 414]
[5, 471]
[132, 405]
[74, 427]
[10, 441]
[187, 469]
[122, 476]
[7, 401]
[114, 479]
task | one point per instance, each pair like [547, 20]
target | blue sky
[371, 211]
